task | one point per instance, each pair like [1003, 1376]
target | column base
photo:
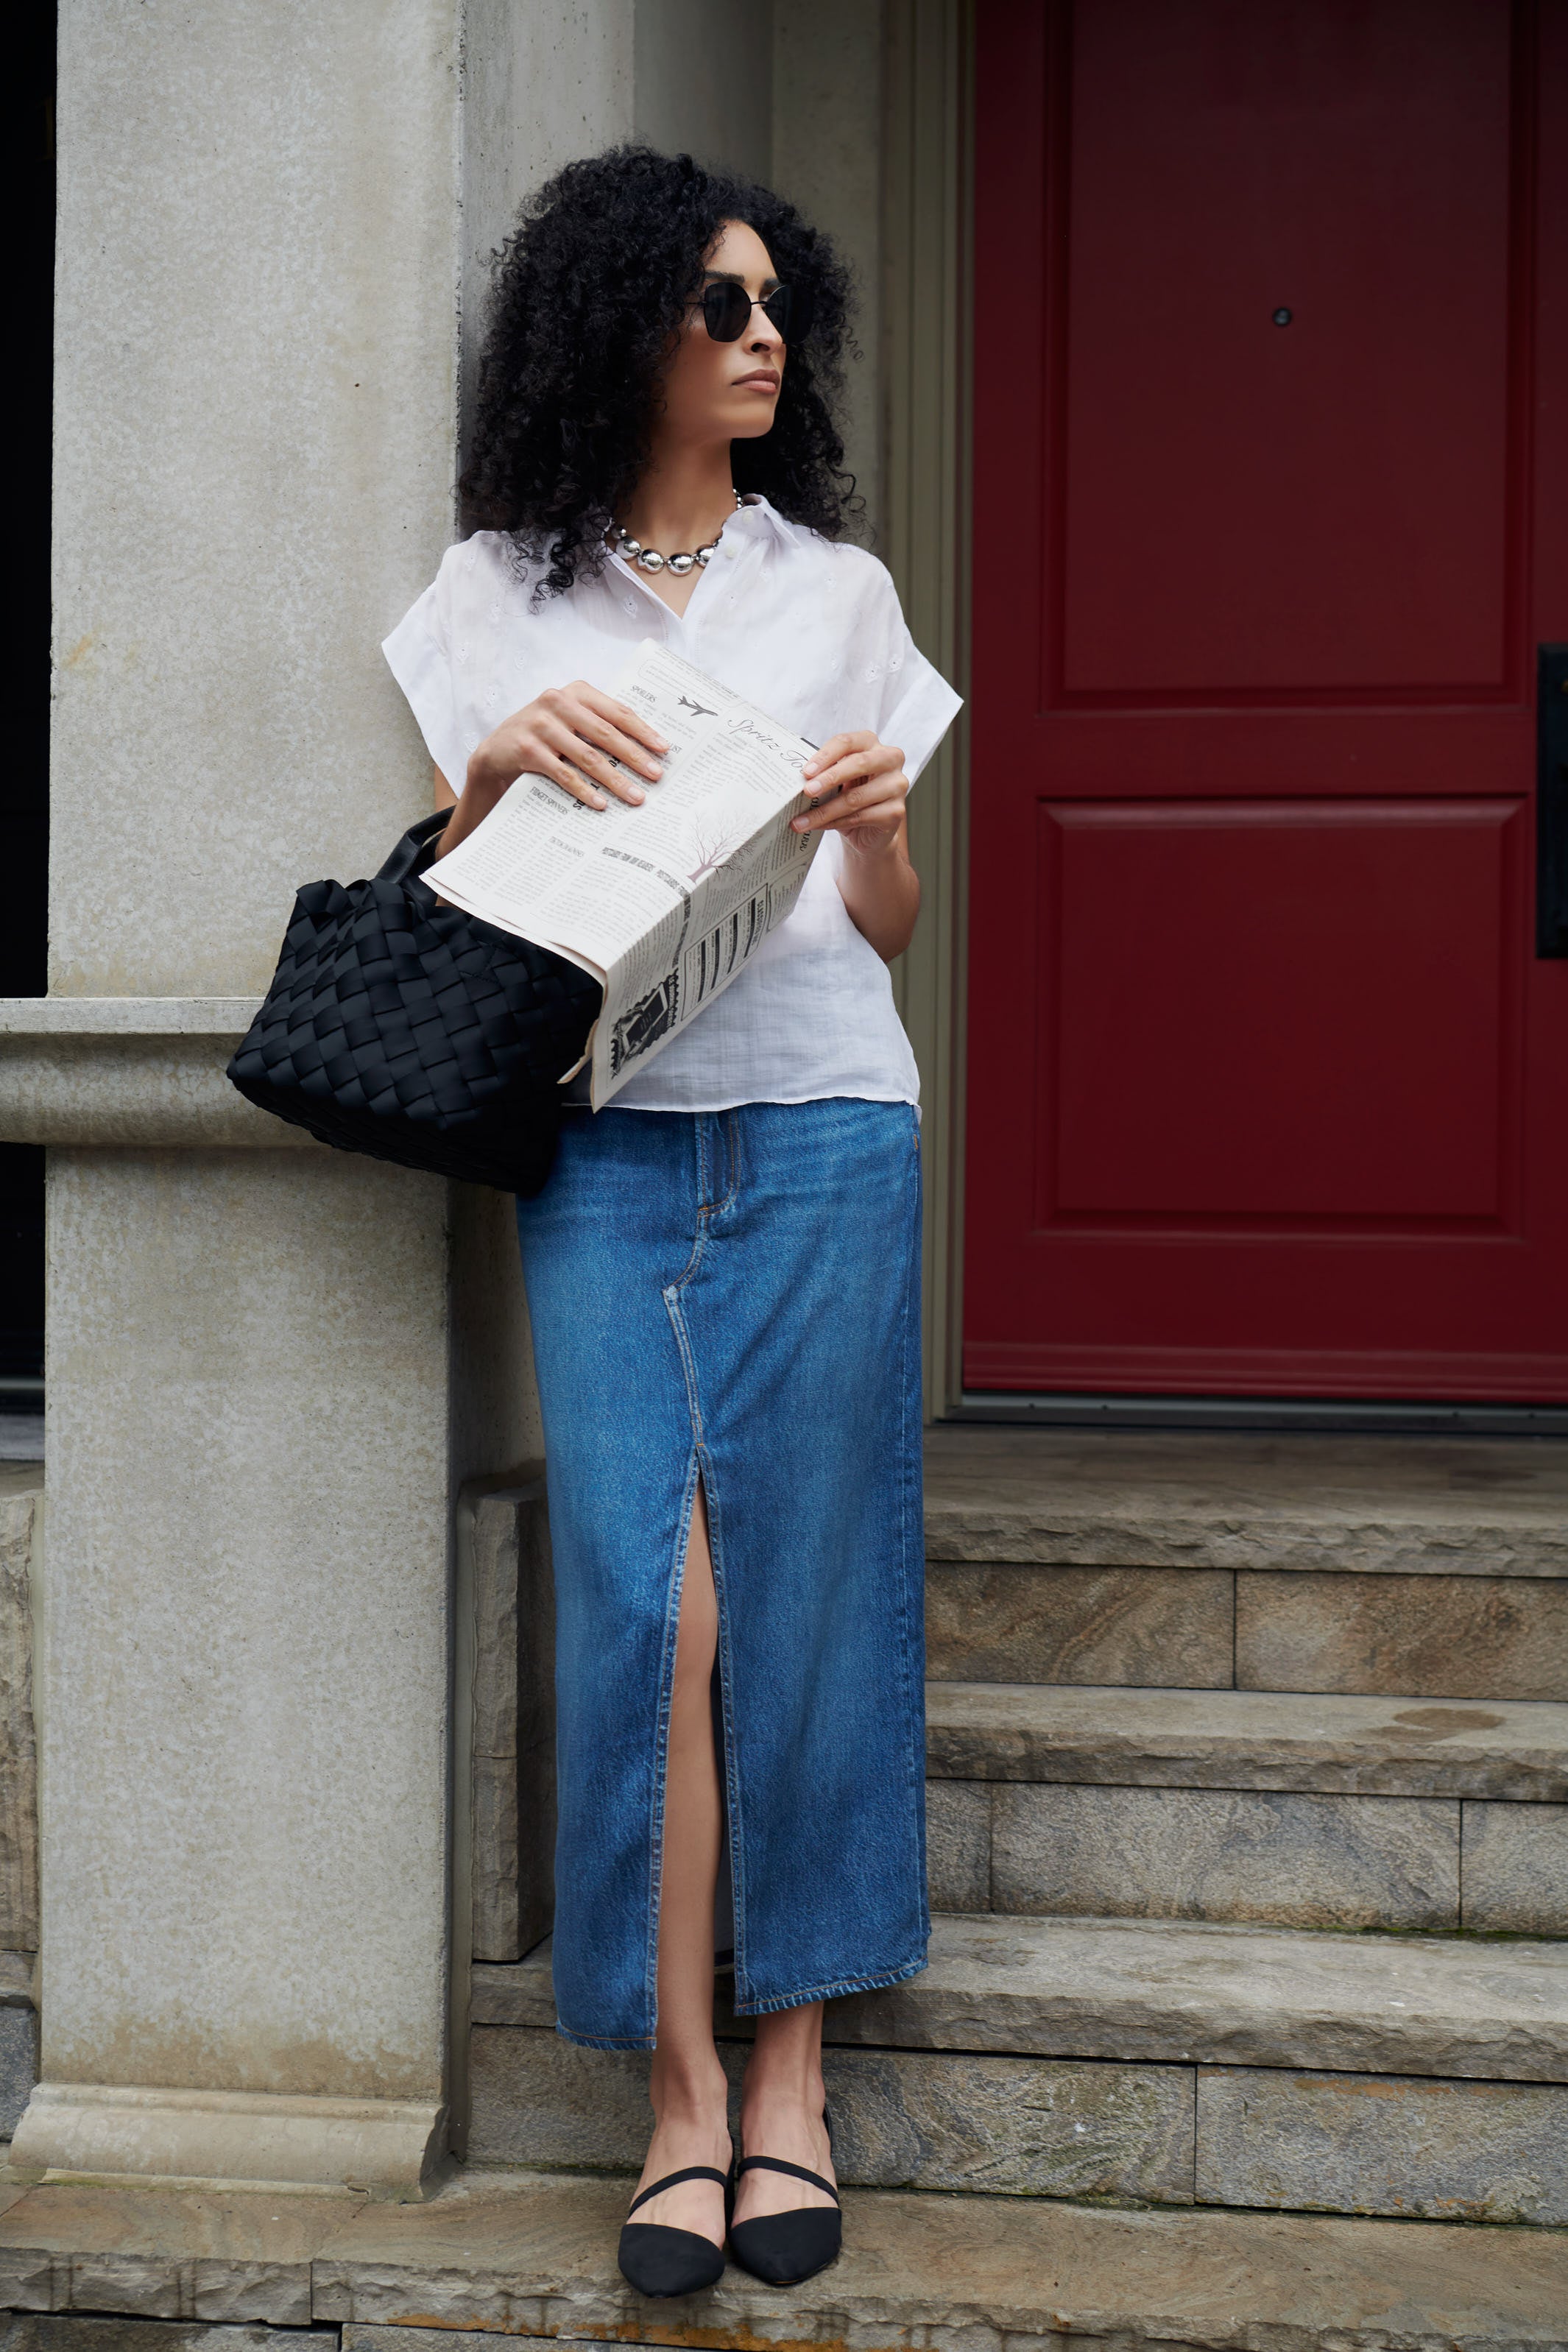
[389, 2148]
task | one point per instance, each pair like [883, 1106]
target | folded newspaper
[664, 903]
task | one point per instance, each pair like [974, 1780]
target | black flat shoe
[658, 2260]
[782, 2249]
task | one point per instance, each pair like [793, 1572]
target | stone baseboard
[384, 2147]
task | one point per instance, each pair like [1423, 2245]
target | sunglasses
[727, 311]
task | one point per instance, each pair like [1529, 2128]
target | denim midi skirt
[734, 1295]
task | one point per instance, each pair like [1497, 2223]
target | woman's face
[726, 391]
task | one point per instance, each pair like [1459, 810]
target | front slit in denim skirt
[734, 1295]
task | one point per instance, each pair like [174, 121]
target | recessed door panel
[1288, 366]
[1222, 1051]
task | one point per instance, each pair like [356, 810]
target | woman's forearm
[882, 892]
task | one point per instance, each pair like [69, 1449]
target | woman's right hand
[570, 734]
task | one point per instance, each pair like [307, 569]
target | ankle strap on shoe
[796, 2172]
[691, 2172]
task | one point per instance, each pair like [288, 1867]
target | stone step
[1183, 1991]
[1454, 1636]
[1177, 2063]
[530, 2257]
[1412, 1568]
[1215, 1501]
[1303, 1811]
[1245, 1740]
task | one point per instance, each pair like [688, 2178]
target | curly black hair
[589, 288]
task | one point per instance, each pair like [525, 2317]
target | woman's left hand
[867, 777]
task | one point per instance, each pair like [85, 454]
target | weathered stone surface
[1199, 1500]
[230, 2254]
[958, 1845]
[1380, 2144]
[902, 2119]
[39, 2331]
[536, 2257]
[18, 2062]
[1225, 1854]
[21, 1510]
[1039, 2128]
[1515, 1869]
[1146, 1625]
[1247, 1739]
[1227, 1996]
[507, 1539]
[360, 2337]
[518, 1992]
[1186, 1990]
[1450, 1637]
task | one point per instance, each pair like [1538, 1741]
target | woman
[722, 1270]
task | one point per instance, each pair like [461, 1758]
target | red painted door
[1268, 1087]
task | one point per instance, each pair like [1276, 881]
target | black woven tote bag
[414, 1032]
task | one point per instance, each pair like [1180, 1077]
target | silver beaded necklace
[648, 558]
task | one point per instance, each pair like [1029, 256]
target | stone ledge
[506, 2256]
[1247, 1739]
[1188, 1991]
[1441, 1506]
[131, 1072]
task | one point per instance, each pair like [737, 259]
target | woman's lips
[760, 379]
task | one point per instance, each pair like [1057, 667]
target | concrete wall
[269, 1369]
[827, 107]
[704, 75]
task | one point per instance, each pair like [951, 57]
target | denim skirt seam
[661, 1744]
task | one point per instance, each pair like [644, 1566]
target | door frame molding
[926, 360]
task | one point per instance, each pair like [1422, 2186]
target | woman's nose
[764, 336]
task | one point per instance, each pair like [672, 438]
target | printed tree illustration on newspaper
[712, 848]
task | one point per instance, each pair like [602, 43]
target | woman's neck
[683, 499]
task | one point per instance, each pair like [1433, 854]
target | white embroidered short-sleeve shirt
[808, 629]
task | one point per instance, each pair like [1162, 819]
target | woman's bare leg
[687, 2082]
[780, 2112]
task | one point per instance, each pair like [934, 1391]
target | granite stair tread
[1119, 1734]
[526, 2255]
[1176, 1990]
[1129, 1499]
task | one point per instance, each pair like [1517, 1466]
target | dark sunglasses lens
[725, 310]
[789, 308]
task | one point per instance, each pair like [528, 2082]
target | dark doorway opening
[24, 777]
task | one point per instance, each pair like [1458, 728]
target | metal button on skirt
[734, 1297]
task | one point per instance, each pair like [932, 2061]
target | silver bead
[630, 548]
[681, 565]
[650, 559]
[705, 554]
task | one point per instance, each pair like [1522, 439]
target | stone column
[269, 1365]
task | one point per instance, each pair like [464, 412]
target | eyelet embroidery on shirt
[463, 652]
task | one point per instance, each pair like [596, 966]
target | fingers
[615, 726]
[880, 799]
[591, 745]
[865, 758]
[862, 740]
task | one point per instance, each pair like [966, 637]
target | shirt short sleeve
[419, 655]
[917, 704]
